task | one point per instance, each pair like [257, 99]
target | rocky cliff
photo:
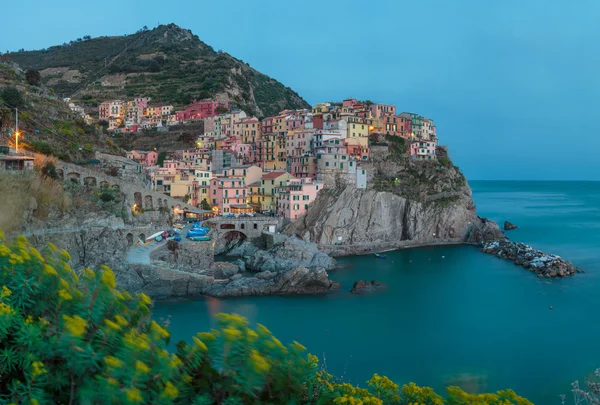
[406, 203]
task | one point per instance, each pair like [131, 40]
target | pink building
[141, 102]
[229, 195]
[378, 110]
[423, 150]
[349, 102]
[304, 166]
[145, 158]
[201, 109]
[295, 198]
[293, 122]
[267, 125]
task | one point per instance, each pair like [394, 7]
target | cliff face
[407, 203]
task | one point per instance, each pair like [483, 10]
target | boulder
[288, 255]
[508, 226]
[362, 286]
[241, 265]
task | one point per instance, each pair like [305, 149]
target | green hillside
[168, 64]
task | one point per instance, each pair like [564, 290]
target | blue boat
[195, 233]
[379, 255]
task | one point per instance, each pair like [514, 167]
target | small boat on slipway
[379, 255]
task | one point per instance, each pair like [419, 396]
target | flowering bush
[76, 339]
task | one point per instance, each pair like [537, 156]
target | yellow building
[251, 130]
[263, 193]
[203, 177]
[320, 108]
[182, 186]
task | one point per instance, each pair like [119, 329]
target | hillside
[168, 64]
[46, 123]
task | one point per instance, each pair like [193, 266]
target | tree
[161, 158]
[12, 97]
[33, 77]
[69, 338]
[204, 204]
[49, 170]
[222, 109]
[87, 37]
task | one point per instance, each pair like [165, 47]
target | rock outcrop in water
[509, 226]
[406, 203]
[543, 264]
[362, 286]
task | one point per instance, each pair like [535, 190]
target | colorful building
[295, 198]
[229, 195]
[202, 109]
[263, 193]
[423, 150]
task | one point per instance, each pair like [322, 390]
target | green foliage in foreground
[76, 339]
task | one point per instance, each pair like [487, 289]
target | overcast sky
[513, 85]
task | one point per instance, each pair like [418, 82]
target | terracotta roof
[272, 175]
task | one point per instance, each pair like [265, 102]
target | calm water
[452, 315]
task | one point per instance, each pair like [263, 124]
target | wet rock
[290, 254]
[362, 286]
[508, 226]
[545, 265]
[241, 265]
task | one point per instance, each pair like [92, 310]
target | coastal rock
[243, 249]
[351, 220]
[289, 254]
[362, 286]
[509, 226]
[545, 265]
[241, 264]
[296, 281]
[225, 270]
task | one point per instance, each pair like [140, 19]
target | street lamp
[17, 133]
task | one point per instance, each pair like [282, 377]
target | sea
[452, 315]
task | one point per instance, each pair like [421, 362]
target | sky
[513, 85]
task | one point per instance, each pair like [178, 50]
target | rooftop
[272, 175]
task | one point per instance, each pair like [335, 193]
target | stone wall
[191, 257]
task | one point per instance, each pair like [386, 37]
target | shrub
[107, 195]
[33, 77]
[41, 147]
[49, 170]
[12, 97]
[75, 338]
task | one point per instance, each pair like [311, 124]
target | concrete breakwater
[544, 265]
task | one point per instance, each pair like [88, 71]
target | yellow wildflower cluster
[259, 363]
[112, 381]
[145, 299]
[159, 330]
[135, 340]
[52, 247]
[120, 320]
[312, 358]
[278, 344]
[141, 367]
[6, 292]
[108, 277]
[134, 395]
[36, 253]
[75, 325]
[38, 368]
[113, 362]
[6, 309]
[263, 329]
[49, 270]
[29, 320]
[421, 394]
[4, 250]
[232, 334]
[175, 361]
[232, 319]
[15, 259]
[64, 295]
[297, 346]
[206, 336]
[199, 343]
[65, 255]
[89, 273]
[112, 325]
[170, 391]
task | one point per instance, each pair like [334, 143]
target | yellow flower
[263, 329]
[175, 361]
[64, 284]
[38, 368]
[24, 254]
[140, 367]
[4, 251]
[75, 325]
[112, 324]
[89, 273]
[312, 358]
[126, 295]
[112, 381]
[251, 334]
[29, 320]
[6, 292]
[108, 277]
[64, 295]
[44, 321]
[145, 299]
[231, 334]
[36, 253]
[1, 235]
[65, 255]
[52, 247]
[162, 332]
[22, 240]
[134, 395]
[49, 270]
[258, 362]
[120, 320]
[113, 362]
[15, 259]
[199, 343]
[34, 401]
[170, 391]
[136, 340]
[206, 336]
[297, 346]
[5, 309]
[278, 343]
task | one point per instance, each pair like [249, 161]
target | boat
[153, 236]
[158, 238]
[196, 233]
[178, 226]
[176, 230]
[199, 238]
[379, 255]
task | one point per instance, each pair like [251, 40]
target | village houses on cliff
[277, 165]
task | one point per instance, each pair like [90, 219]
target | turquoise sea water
[453, 315]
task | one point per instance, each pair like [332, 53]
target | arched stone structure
[143, 237]
[129, 238]
[116, 187]
[89, 181]
[104, 184]
[61, 173]
[74, 177]
[234, 235]
[137, 198]
[148, 202]
[227, 226]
